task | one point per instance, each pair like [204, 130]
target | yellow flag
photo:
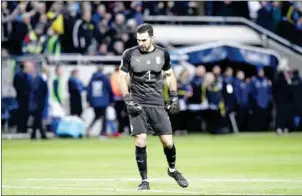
[58, 25]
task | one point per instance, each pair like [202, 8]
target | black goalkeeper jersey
[145, 70]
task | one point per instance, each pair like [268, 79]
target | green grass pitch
[242, 164]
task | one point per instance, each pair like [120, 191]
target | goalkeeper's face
[144, 41]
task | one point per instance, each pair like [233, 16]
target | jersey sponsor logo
[148, 62]
[157, 59]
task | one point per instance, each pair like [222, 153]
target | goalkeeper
[144, 100]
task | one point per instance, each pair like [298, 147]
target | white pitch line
[168, 179]
[122, 190]
[91, 188]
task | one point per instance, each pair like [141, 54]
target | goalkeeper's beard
[145, 48]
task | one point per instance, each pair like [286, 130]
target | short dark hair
[145, 28]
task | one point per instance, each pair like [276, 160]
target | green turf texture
[242, 164]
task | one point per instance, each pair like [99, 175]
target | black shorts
[151, 119]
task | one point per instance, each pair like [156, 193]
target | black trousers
[284, 116]
[260, 119]
[242, 118]
[76, 108]
[216, 123]
[195, 120]
[100, 113]
[121, 115]
[38, 124]
[22, 118]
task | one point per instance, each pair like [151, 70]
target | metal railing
[228, 20]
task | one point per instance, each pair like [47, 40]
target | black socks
[141, 160]
[171, 156]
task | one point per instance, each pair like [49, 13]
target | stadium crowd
[106, 27]
[209, 100]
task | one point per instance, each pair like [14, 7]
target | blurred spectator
[75, 88]
[196, 84]
[34, 41]
[99, 97]
[92, 50]
[58, 94]
[7, 21]
[217, 74]
[170, 10]
[111, 118]
[118, 7]
[265, 15]
[216, 122]
[40, 14]
[119, 105]
[197, 99]
[277, 14]
[118, 47]
[109, 19]
[137, 14]
[299, 24]
[283, 99]
[160, 8]
[209, 8]
[228, 89]
[38, 102]
[53, 45]
[22, 84]
[254, 6]
[184, 90]
[297, 94]
[45, 74]
[242, 107]
[294, 12]
[103, 33]
[119, 26]
[261, 95]
[55, 9]
[103, 49]
[83, 32]
[228, 94]
[20, 28]
[73, 8]
[149, 7]
[193, 8]
[70, 14]
[99, 15]
[129, 38]
[225, 8]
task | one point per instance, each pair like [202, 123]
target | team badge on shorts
[157, 60]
